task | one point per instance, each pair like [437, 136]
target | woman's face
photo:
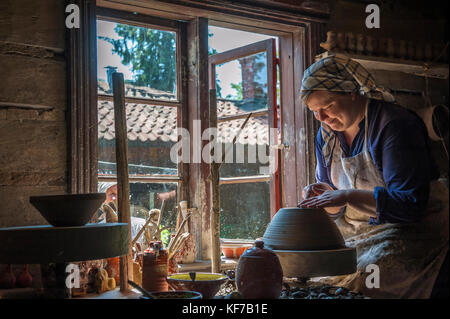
[111, 194]
[338, 111]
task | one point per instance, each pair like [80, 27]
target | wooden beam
[250, 15]
[183, 111]
[215, 193]
[137, 19]
[288, 128]
[242, 115]
[144, 179]
[123, 186]
[35, 107]
[82, 101]
[244, 179]
[103, 97]
[238, 53]
[198, 112]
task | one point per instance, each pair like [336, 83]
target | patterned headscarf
[339, 73]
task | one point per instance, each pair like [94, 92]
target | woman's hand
[329, 198]
[315, 189]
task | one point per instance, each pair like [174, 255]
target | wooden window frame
[116, 16]
[269, 47]
[299, 33]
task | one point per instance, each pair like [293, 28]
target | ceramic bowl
[302, 229]
[175, 295]
[208, 284]
[68, 210]
[234, 250]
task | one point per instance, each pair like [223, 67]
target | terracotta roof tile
[151, 122]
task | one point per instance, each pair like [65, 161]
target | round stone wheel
[317, 263]
[45, 243]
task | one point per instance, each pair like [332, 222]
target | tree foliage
[150, 53]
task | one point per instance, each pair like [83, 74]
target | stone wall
[33, 142]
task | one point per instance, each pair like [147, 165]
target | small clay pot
[259, 274]
[24, 279]
[155, 268]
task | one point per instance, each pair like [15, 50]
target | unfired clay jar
[302, 229]
[259, 274]
[24, 279]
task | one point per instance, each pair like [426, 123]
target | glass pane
[251, 151]
[151, 134]
[245, 210]
[146, 57]
[243, 82]
[143, 198]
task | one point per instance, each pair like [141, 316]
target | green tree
[150, 53]
[238, 89]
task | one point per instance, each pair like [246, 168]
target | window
[299, 35]
[148, 57]
[245, 81]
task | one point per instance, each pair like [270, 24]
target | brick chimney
[248, 77]
[109, 71]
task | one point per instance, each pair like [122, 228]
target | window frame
[269, 47]
[300, 34]
[112, 15]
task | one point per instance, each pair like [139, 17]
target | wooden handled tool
[123, 186]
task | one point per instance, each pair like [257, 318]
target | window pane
[146, 57]
[151, 134]
[251, 151]
[243, 82]
[143, 198]
[245, 210]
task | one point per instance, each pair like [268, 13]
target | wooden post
[215, 193]
[123, 187]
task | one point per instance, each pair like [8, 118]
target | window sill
[205, 265]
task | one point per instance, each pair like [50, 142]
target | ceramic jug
[259, 274]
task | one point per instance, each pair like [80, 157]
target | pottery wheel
[317, 263]
[45, 243]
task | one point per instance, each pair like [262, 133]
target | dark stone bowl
[68, 210]
[302, 229]
[208, 284]
[175, 295]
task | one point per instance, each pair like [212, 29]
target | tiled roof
[135, 91]
[147, 122]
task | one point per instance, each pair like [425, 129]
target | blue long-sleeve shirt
[398, 145]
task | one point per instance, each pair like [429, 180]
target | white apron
[409, 256]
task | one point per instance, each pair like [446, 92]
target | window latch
[284, 146]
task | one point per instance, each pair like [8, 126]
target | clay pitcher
[259, 274]
[155, 268]
[24, 279]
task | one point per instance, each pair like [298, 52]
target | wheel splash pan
[308, 243]
[317, 263]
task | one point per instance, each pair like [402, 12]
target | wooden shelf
[437, 70]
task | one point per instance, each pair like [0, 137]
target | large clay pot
[259, 274]
[309, 244]
[302, 229]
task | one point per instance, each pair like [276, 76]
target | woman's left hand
[334, 198]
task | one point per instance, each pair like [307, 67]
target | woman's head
[340, 81]
[339, 111]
